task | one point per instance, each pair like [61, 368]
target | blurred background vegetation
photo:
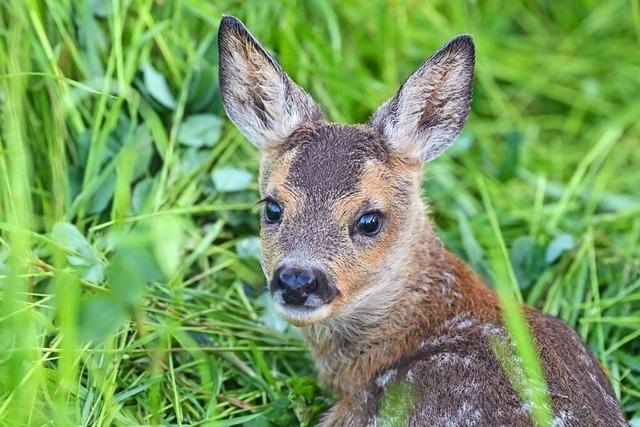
[130, 289]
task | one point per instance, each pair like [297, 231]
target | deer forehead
[329, 166]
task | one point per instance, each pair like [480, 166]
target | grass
[130, 291]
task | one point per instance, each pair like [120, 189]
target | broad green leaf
[527, 257]
[83, 256]
[93, 273]
[260, 421]
[167, 243]
[126, 276]
[509, 164]
[231, 179]
[200, 130]
[100, 316]
[103, 194]
[270, 318]
[132, 266]
[471, 245]
[140, 194]
[91, 37]
[248, 247]
[141, 138]
[157, 86]
[560, 244]
[463, 143]
[203, 89]
[69, 236]
[192, 158]
[101, 8]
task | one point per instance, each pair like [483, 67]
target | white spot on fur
[583, 354]
[383, 380]
[444, 358]
[448, 281]
[526, 407]
[562, 419]
[441, 340]
[364, 397]
[410, 376]
[460, 322]
[491, 330]
[606, 396]
[465, 324]
[467, 415]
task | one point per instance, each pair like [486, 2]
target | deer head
[342, 203]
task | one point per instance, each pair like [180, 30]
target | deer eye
[369, 223]
[272, 211]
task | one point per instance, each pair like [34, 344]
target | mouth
[312, 311]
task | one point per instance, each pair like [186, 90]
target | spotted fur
[405, 309]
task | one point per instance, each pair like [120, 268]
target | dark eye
[272, 211]
[369, 223]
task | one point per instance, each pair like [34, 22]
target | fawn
[352, 259]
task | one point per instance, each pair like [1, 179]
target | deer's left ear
[258, 96]
[430, 109]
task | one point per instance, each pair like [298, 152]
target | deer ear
[429, 110]
[259, 98]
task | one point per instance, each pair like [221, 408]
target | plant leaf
[71, 238]
[560, 244]
[200, 130]
[249, 247]
[140, 195]
[103, 194]
[228, 179]
[100, 316]
[157, 86]
[527, 257]
[167, 244]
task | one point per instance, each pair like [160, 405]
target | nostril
[297, 284]
[306, 281]
[307, 287]
[287, 279]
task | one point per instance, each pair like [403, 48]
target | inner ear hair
[429, 111]
[258, 96]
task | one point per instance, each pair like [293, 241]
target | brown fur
[404, 309]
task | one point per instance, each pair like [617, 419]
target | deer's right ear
[258, 96]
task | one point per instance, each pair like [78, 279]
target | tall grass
[130, 291]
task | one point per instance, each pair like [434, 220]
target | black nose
[297, 283]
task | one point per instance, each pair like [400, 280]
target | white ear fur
[431, 107]
[258, 96]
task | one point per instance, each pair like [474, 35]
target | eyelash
[265, 200]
